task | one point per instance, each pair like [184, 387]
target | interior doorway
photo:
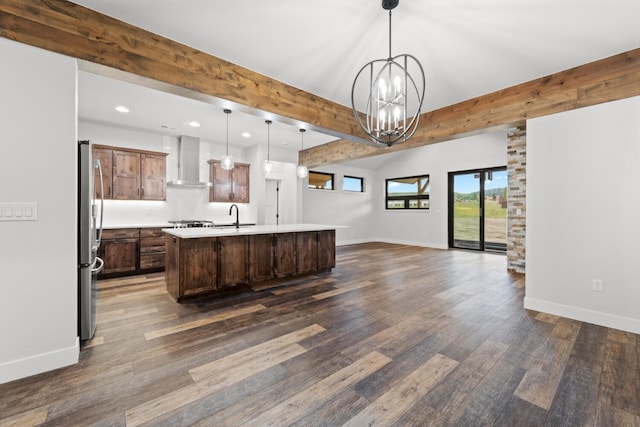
[272, 202]
[478, 209]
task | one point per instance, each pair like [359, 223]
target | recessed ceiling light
[194, 124]
[122, 109]
[246, 134]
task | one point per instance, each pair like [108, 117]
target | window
[320, 180]
[353, 183]
[407, 193]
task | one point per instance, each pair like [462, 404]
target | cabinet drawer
[120, 233]
[151, 232]
[152, 249]
[152, 242]
[151, 260]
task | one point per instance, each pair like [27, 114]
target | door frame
[450, 195]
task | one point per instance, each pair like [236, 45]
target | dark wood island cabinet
[210, 261]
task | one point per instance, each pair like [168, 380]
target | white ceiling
[467, 48]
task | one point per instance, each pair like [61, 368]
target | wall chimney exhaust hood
[189, 164]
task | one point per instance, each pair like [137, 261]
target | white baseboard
[392, 241]
[37, 364]
[584, 315]
[412, 243]
[353, 242]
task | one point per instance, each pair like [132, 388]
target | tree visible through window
[407, 193]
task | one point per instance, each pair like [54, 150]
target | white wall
[365, 214]
[583, 206]
[38, 259]
[356, 211]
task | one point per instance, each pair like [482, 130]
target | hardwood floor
[394, 336]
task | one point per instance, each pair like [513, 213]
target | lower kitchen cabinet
[307, 252]
[198, 266]
[119, 250]
[261, 257]
[284, 254]
[129, 251]
[326, 250]
[233, 261]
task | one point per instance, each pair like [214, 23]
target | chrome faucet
[237, 223]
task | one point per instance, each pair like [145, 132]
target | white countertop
[190, 233]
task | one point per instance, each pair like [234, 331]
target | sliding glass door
[478, 209]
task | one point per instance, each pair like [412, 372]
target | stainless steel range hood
[189, 164]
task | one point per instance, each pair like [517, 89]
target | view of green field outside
[466, 209]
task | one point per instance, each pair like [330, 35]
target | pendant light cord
[389, 35]
[227, 112]
[268, 140]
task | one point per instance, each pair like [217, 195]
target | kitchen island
[212, 261]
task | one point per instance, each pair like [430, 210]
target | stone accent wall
[516, 198]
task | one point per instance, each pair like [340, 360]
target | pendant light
[268, 166]
[391, 112]
[227, 162]
[302, 170]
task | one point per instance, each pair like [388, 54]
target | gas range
[191, 223]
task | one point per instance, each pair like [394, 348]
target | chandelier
[391, 112]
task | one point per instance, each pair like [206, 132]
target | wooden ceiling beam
[70, 29]
[609, 79]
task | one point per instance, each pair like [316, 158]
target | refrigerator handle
[96, 163]
[97, 266]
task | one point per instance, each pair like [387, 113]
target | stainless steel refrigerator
[89, 236]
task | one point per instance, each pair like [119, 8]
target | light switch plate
[18, 211]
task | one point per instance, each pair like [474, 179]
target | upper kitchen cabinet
[153, 172]
[229, 186]
[126, 175]
[132, 174]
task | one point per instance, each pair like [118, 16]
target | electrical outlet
[596, 285]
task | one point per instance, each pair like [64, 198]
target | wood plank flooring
[393, 336]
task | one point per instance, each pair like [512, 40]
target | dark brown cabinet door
[154, 176]
[106, 163]
[284, 254]
[119, 255]
[126, 175]
[306, 252]
[221, 181]
[119, 250]
[326, 249]
[233, 258]
[260, 257]
[198, 269]
[240, 189]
